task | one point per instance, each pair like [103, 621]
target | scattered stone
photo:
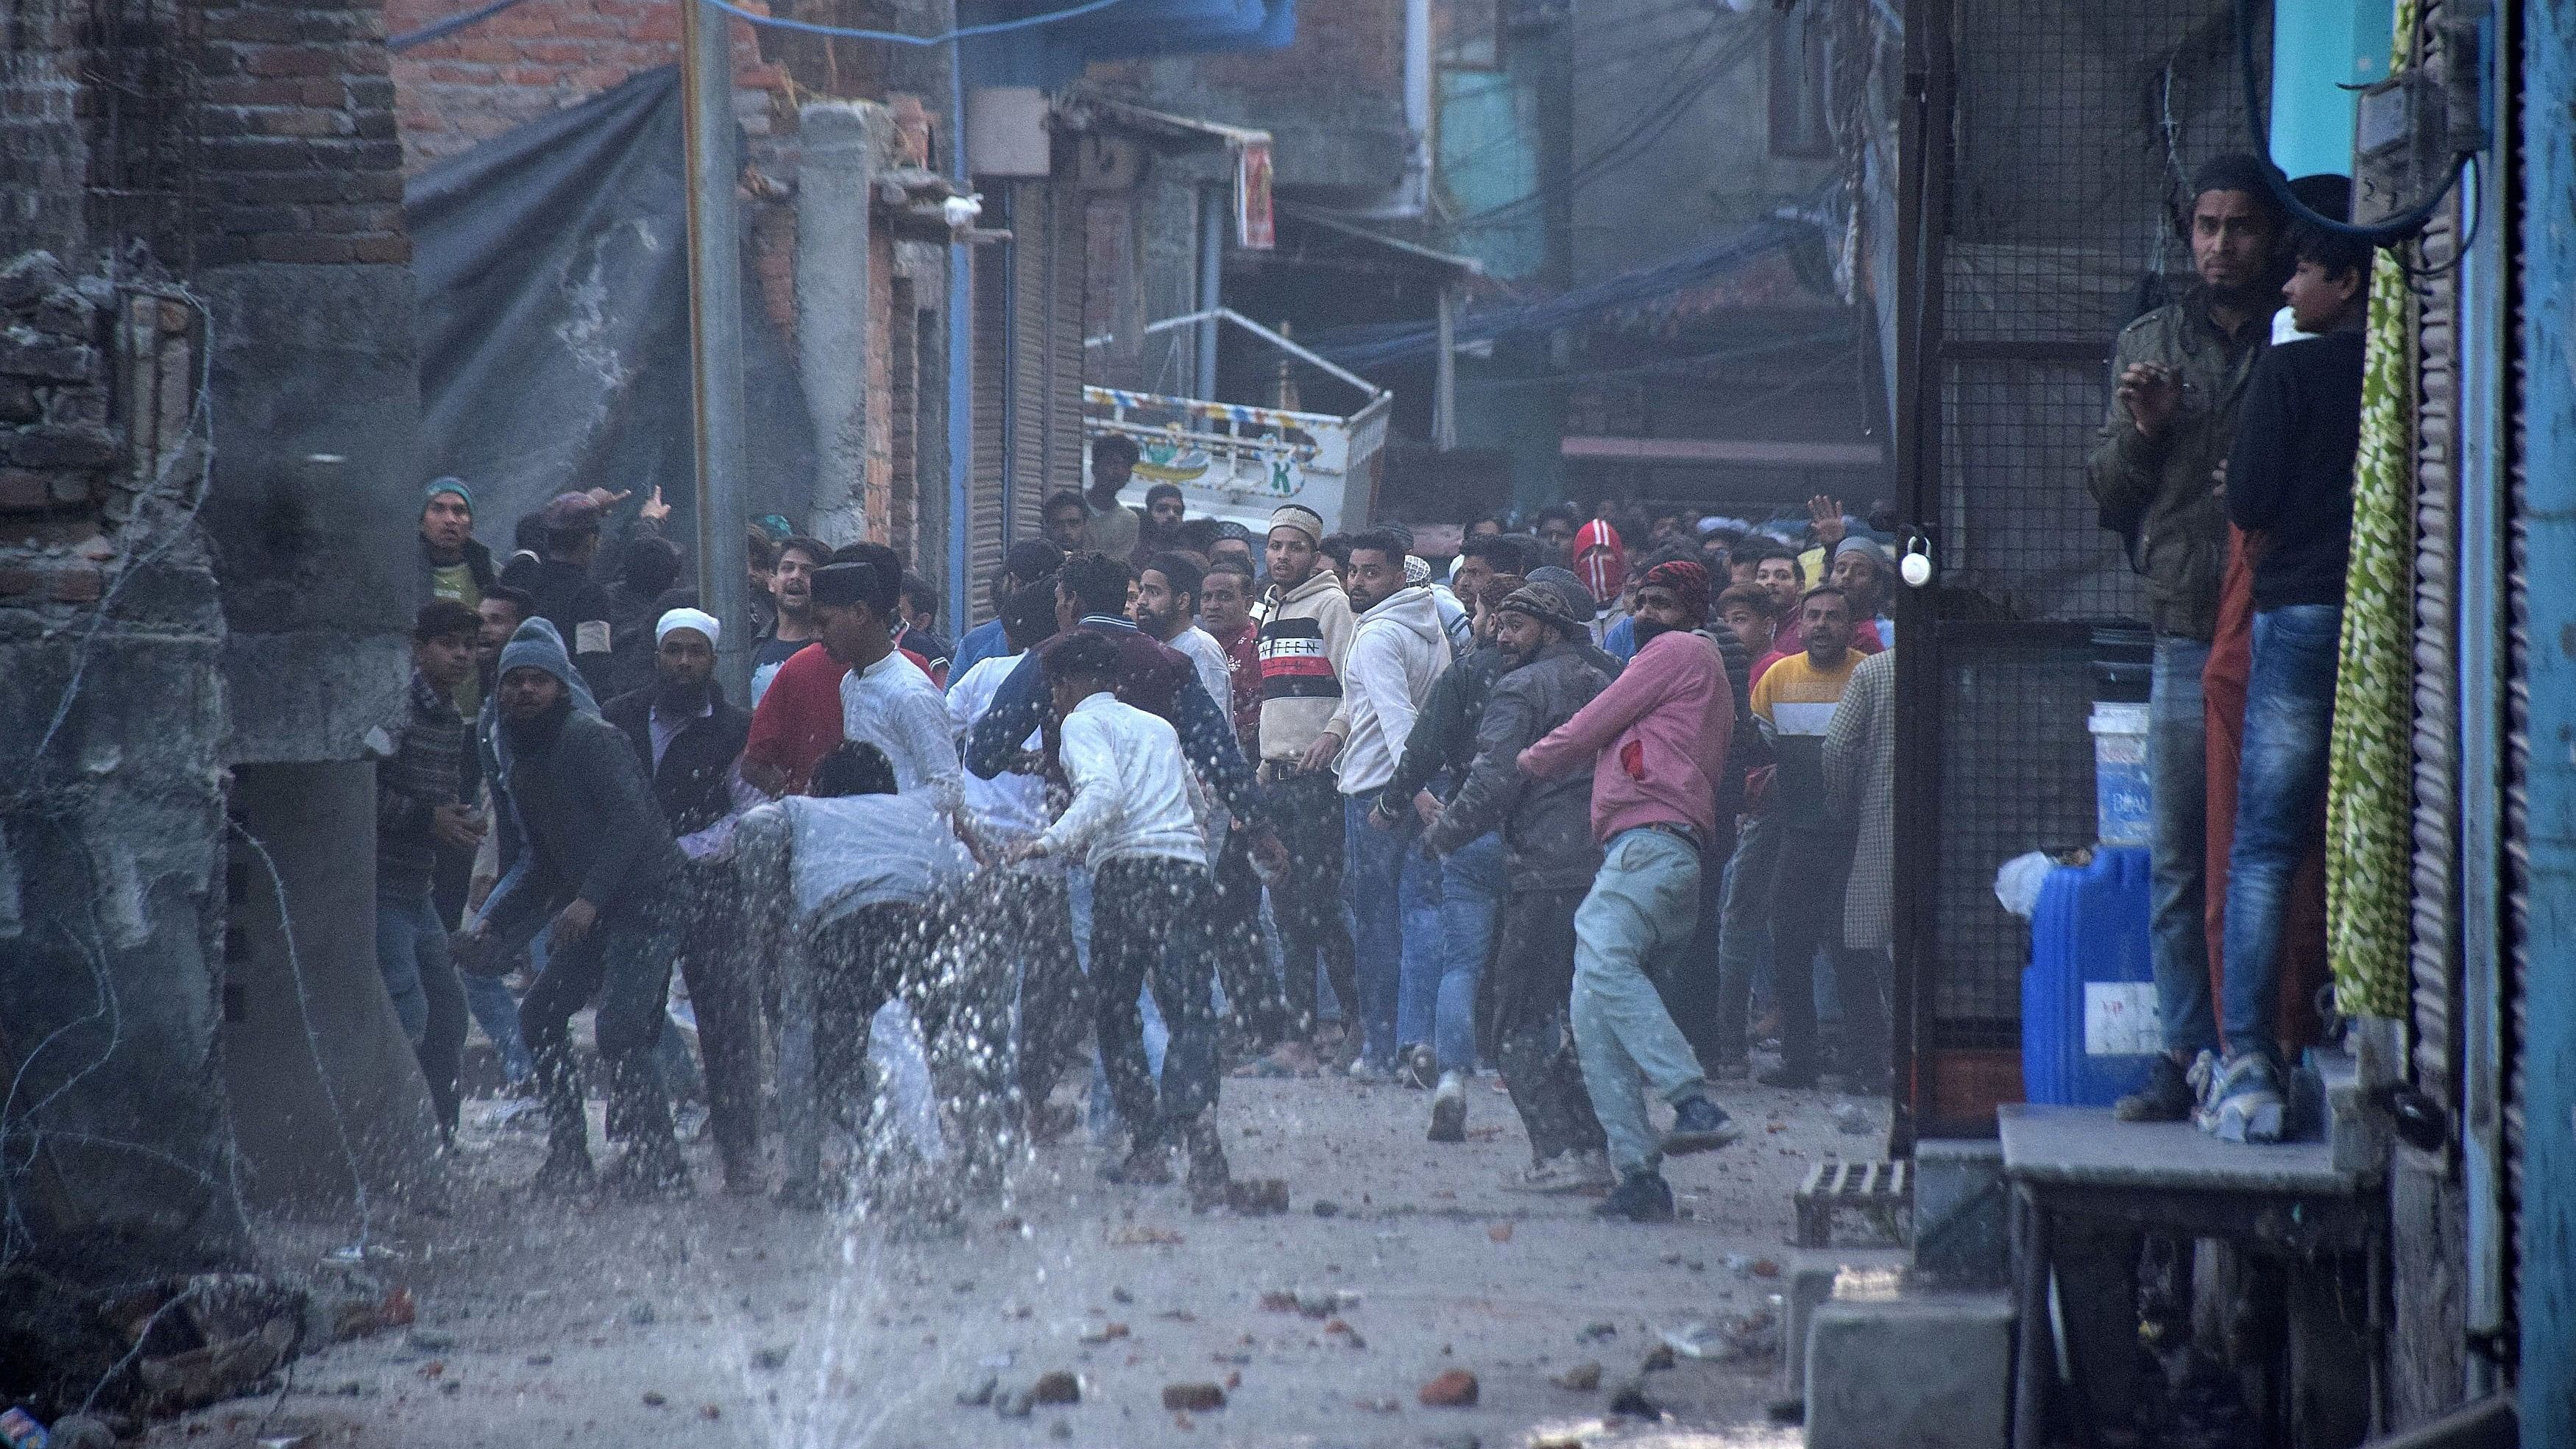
[771, 1359]
[430, 1340]
[1194, 1398]
[1658, 1359]
[1060, 1429]
[1630, 1399]
[1056, 1386]
[1455, 1389]
[653, 1400]
[1121, 1295]
[1016, 1404]
[710, 1412]
[1008, 1225]
[1104, 1333]
[640, 1314]
[1583, 1378]
[1851, 1119]
[540, 1360]
[1257, 1197]
[981, 1395]
[1500, 1232]
[1327, 1208]
[1597, 1332]
[1557, 1441]
[1342, 1327]
[81, 1431]
[1765, 1268]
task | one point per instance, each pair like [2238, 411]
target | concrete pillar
[842, 141]
[326, 1093]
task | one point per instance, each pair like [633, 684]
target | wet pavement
[722, 1321]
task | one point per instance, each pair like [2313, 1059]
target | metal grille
[2016, 775]
[2020, 529]
[2058, 170]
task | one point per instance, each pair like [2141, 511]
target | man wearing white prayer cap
[687, 737]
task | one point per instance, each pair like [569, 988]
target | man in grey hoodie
[599, 868]
[1547, 831]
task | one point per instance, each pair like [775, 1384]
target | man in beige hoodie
[1306, 633]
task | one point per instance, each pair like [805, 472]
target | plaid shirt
[427, 770]
[1860, 787]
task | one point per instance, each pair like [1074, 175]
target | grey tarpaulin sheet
[552, 267]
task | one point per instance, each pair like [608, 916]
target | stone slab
[1931, 1371]
[2085, 1147]
[1817, 1275]
[1960, 1238]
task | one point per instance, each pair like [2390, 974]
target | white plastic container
[2122, 801]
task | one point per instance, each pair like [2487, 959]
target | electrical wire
[440, 29]
[2387, 233]
[891, 37]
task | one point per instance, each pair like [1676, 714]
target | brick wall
[296, 154]
[539, 56]
[86, 409]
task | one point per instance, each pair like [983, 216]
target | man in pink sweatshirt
[1656, 739]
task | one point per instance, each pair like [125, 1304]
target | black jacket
[1546, 824]
[575, 603]
[2289, 474]
[691, 783]
[594, 830]
[1443, 742]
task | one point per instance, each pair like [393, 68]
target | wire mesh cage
[2072, 135]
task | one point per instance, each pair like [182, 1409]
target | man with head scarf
[597, 872]
[1656, 739]
[1543, 679]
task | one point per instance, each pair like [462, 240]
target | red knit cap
[1689, 583]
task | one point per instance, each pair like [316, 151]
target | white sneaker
[1449, 1109]
[1565, 1172]
[2203, 1079]
[2248, 1106]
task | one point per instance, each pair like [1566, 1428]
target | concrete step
[1925, 1370]
[1817, 1275]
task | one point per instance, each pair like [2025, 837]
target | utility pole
[715, 333]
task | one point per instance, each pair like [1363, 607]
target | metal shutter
[1028, 371]
[2434, 949]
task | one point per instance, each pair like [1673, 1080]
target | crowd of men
[1191, 802]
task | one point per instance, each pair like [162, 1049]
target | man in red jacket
[1656, 739]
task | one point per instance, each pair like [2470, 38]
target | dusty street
[722, 1321]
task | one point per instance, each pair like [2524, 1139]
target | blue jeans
[2178, 786]
[2289, 715]
[1471, 904]
[1372, 886]
[1417, 997]
[495, 1010]
[1744, 928]
[420, 976]
[1635, 923]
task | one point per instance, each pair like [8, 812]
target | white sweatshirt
[1131, 787]
[1396, 654]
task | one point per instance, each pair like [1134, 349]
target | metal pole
[1213, 220]
[715, 334]
[961, 353]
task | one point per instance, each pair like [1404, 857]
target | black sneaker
[2167, 1096]
[1640, 1197]
[1699, 1125]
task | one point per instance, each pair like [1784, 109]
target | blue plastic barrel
[2088, 997]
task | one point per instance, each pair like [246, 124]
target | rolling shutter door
[2434, 947]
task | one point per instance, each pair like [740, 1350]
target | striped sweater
[1305, 635]
[427, 770]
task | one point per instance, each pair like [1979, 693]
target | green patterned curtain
[2368, 868]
